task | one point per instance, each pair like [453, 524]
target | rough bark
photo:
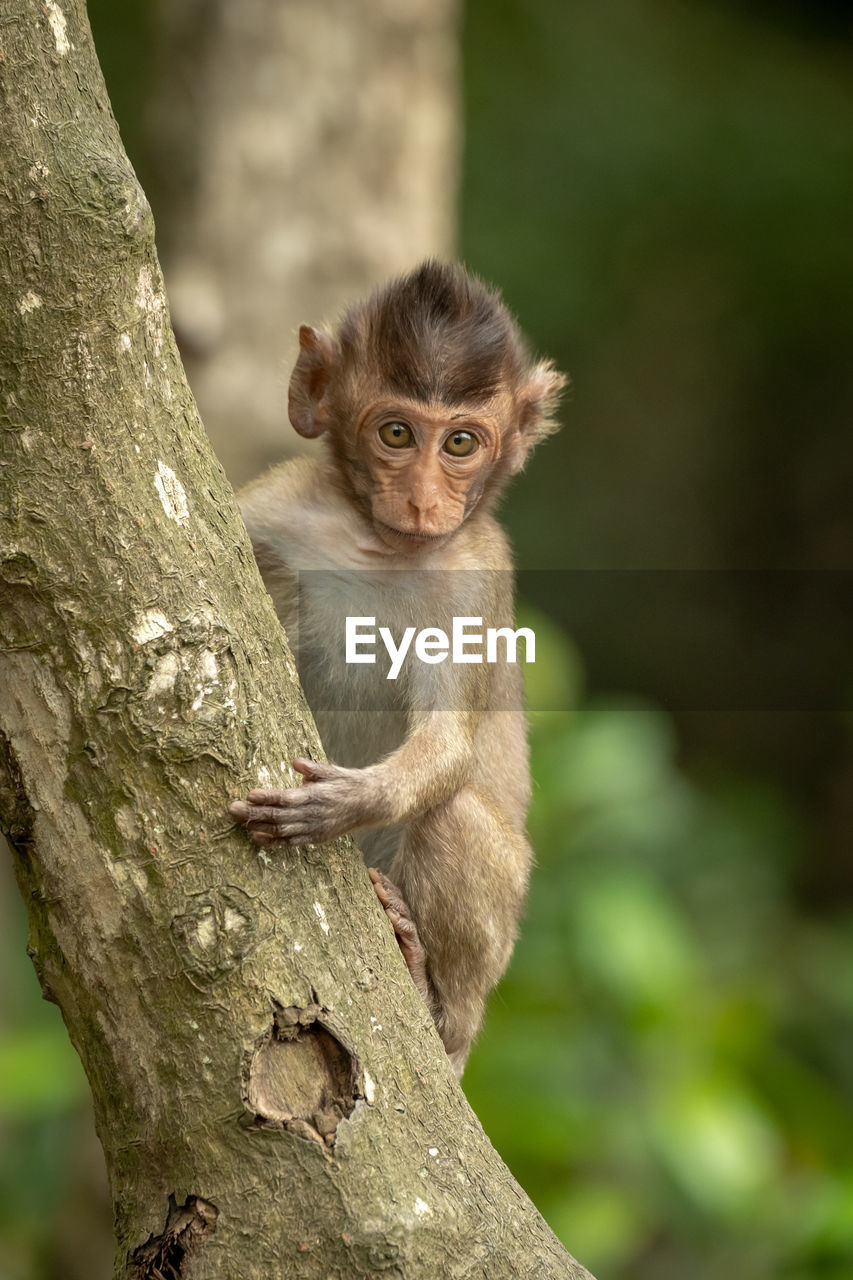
[305, 151]
[270, 1095]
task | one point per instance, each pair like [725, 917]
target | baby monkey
[428, 401]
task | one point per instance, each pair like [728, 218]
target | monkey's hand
[331, 801]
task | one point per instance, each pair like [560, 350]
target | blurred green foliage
[663, 191]
[668, 1066]
[42, 1089]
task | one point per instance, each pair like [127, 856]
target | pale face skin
[427, 467]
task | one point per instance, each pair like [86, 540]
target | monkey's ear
[318, 358]
[537, 403]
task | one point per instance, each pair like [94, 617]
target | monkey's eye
[396, 435]
[461, 443]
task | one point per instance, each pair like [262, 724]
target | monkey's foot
[397, 911]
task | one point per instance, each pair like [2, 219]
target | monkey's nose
[424, 496]
[424, 505]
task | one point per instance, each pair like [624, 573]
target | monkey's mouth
[412, 536]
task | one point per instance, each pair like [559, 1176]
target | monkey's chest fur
[361, 715]
[320, 568]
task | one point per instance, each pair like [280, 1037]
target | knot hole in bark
[167, 1256]
[301, 1077]
[17, 815]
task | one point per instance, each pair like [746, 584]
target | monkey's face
[428, 399]
[423, 468]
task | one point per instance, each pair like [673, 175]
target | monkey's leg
[462, 869]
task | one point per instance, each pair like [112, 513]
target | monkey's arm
[428, 767]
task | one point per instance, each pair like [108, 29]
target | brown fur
[435, 335]
[433, 771]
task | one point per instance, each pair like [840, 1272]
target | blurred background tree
[663, 191]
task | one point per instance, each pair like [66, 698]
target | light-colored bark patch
[163, 676]
[172, 494]
[206, 931]
[59, 27]
[151, 301]
[150, 625]
[209, 672]
[233, 919]
[30, 302]
[128, 876]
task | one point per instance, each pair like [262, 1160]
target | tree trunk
[270, 1094]
[304, 152]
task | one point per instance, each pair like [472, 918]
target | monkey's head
[429, 399]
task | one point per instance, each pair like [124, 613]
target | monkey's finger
[277, 831]
[313, 770]
[285, 823]
[276, 798]
[264, 813]
[279, 802]
[262, 837]
[239, 810]
[271, 835]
